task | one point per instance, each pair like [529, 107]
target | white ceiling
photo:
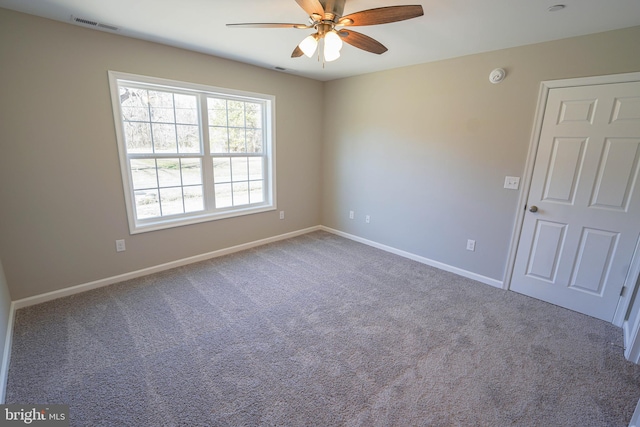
[449, 28]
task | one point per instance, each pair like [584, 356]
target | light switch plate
[512, 182]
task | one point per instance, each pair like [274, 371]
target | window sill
[165, 223]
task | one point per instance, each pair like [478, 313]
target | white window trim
[160, 223]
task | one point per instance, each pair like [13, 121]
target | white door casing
[575, 251]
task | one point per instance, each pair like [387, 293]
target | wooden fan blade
[312, 7]
[361, 41]
[268, 25]
[297, 52]
[382, 15]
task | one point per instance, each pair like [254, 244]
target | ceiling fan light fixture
[309, 45]
[325, 16]
[332, 46]
[332, 41]
[331, 55]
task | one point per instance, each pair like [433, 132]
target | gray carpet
[318, 331]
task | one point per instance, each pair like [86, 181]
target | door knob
[533, 209]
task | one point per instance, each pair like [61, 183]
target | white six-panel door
[583, 212]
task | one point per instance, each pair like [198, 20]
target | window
[191, 153]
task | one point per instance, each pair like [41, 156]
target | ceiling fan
[325, 17]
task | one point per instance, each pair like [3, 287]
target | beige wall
[61, 197]
[424, 150]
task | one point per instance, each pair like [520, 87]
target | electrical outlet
[471, 245]
[351, 215]
[120, 247]
[367, 219]
[281, 214]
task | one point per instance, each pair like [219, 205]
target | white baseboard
[6, 355]
[49, 296]
[460, 272]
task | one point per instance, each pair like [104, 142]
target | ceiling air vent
[94, 24]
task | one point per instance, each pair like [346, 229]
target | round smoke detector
[497, 75]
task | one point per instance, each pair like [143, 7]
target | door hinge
[623, 291]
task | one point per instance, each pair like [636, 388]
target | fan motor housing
[334, 7]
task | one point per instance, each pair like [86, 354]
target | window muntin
[176, 170]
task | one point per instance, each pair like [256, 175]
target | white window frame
[210, 212]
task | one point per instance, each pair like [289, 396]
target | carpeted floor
[318, 331]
